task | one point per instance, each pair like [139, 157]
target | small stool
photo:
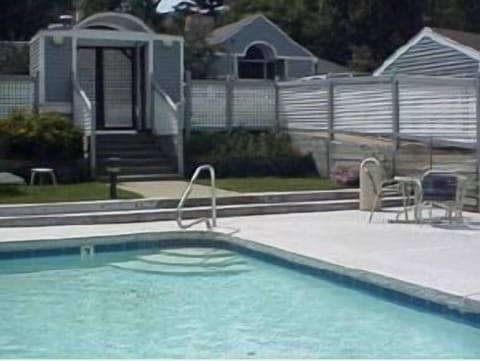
[40, 171]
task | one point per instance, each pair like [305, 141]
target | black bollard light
[113, 169]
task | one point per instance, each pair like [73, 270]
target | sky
[167, 5]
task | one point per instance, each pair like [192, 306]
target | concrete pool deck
[446, 260]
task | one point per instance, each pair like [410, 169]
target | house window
[259, 63]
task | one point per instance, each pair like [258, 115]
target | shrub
[346, 175]
[44, 140]
[72, 171]
[243, 154]
[293, 166]
[45, 137]
[240, 144]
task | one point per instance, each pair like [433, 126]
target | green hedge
[30, 140]
[292, 166]
[243, 154]
[46, 136]
[74, 171]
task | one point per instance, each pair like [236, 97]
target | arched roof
[268, 50]
[116, 21]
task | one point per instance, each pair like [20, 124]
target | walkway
[170, 189]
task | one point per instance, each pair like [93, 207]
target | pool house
[116, 78]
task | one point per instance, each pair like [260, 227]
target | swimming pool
[203, 302]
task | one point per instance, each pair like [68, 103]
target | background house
[436, 52]
[256, 48]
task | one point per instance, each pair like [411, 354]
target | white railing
[17, 92]
[226, 104]
[167, 119]
[210, 222]
[84, 118]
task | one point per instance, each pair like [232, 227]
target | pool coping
[429, 297]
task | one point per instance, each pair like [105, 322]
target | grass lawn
[273, 184]
[61, 193]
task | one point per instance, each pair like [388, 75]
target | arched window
[259, 63]
[254, 53]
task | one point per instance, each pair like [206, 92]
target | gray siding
[109, 43]
[58, 70]
[295, 68]
[168, 68]
[261, 30]
[34, 57]
[428, 57]
[221, 67]
[325, 67]
[299, 68]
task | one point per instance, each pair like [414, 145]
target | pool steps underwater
[187, 262]
[145, 210]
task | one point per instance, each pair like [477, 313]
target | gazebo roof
[115, 21]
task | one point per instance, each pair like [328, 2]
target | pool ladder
[211, 222]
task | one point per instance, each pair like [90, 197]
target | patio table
[410, 189]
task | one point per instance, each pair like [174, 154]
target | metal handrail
[176, 111]
[210, 222]
[83, 95]
[91, 110]
[165, 96]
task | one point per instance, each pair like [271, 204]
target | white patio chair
[374, 171]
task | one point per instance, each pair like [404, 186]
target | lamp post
[113, 169]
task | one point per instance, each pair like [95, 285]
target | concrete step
[126, 147]
[128, 137]
[142, 156]
[170, 214]
[145, 267]
[141, 169]
[145, 204]
[166, 259]
[144, 177]
[197, 252]
[139, 161]
[137, 154]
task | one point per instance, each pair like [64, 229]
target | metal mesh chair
[445, 190]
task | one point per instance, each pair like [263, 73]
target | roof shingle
[465, 38]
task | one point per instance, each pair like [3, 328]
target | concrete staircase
[187, 262]
[145, 210]
[142, 156]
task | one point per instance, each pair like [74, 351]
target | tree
[14, 58]
[89, 7]
[378, 30]
[204, 7]
[21, 19]
[143, 9]
[199, 19]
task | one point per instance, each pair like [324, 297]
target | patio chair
[374, 171]
[445, 190]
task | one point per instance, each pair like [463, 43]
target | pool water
[146, 304]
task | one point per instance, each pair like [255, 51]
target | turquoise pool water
[140, 305]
